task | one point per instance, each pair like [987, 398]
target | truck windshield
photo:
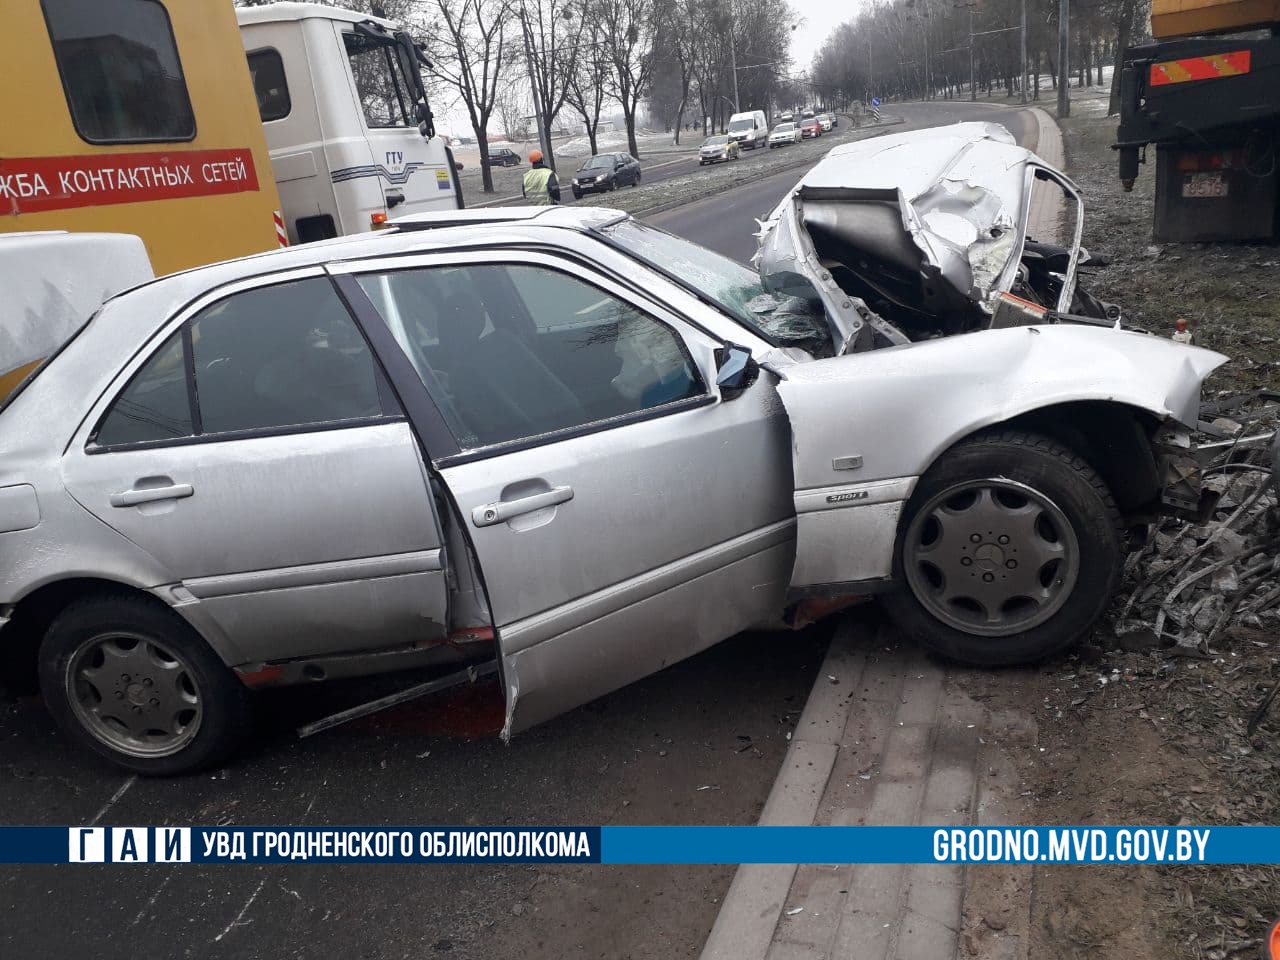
[386, 89]
[737, 126]
[736, 290]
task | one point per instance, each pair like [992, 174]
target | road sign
[875, 101]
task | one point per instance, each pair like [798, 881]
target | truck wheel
[135, 684]
[1008, 552]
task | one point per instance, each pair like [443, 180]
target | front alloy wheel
[1008, 552]
[991, 557]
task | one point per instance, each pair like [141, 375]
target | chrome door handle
[491, 513]
[131, 498]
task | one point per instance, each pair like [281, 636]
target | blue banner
[580, 844]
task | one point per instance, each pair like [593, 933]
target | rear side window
[269, 86]
[155, 405]
[120, 70]
[268, 359]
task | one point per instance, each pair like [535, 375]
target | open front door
[614, 499]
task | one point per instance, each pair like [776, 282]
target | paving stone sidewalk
[884, 741]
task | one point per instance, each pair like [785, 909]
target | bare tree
[585, 88]
[553, 33]
[628, 27]
[513, 112]
[470, 51]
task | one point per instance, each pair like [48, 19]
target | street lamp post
[1064, 56]
[1023, 86]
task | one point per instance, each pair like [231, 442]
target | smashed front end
[925, 234]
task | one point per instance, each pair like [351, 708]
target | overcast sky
[821, 17]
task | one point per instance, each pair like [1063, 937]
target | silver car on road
[552, 439]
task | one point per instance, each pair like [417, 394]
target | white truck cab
[346, 118]
[749, 129]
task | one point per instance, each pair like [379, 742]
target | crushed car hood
[906, 236]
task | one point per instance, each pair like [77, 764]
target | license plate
[1204, 185]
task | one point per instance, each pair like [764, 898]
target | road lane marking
[243, 910]
[115, 798]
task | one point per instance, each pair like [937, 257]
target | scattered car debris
[1193, 580]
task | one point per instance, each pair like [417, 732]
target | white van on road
[346, 119]
[749, 130]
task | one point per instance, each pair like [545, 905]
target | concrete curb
[744, 927]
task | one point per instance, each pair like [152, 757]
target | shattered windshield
[782, 320]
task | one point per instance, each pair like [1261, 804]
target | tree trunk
[629, 120]
[548, 154]
[482, 141]
[1123, 35]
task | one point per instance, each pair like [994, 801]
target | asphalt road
[700, 742]
[726, 222]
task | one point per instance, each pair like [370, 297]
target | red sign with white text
[38, 184]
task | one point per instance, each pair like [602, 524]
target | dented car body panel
[912, 235]
[970, 382]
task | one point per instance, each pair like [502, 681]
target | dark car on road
[606, 171]
[504, 157]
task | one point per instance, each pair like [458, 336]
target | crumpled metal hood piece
[946, 202]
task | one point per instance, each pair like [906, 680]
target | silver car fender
[866, 426]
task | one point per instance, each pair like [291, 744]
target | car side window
[155, 405]
[521, 350]
[265, 359]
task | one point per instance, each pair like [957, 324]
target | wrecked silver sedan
[554, 442]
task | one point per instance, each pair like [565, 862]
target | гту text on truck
[1206, 93]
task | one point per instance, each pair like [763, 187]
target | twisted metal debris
[1193, 580]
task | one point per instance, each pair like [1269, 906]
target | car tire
[167, 675]
[1042, 501]
[636, 181]
[577, 194]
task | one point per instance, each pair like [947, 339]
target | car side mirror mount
[736, 370]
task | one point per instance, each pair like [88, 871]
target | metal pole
[928, 83]
[871, 73]
[733, 65]
[973, 85]
[1064, 58]
[544, 140]
[1023, 86]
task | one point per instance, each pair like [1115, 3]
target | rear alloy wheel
[1010, 549]
[136, 685]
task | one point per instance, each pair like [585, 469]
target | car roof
[403, 235]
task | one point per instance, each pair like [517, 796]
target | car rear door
[254, 450]
[623, 512]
